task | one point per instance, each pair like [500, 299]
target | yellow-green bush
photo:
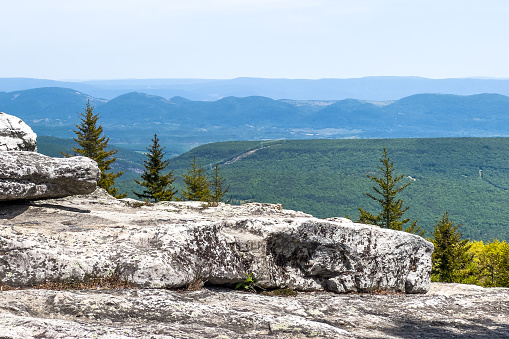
[491, 263]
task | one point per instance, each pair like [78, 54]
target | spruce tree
[92, 144]
[218, 186]
[196, 185]
[392, 209]
[157, 185]
[451, 255]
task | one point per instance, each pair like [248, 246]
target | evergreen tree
[157, 186]
[451, 255]
[196, 185]
[92, 144]
[218, 183]
[386, 195]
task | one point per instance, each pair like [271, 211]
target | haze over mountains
[368, 88]
[132, 119]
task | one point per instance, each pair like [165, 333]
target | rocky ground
[41, 240]
[446, 311]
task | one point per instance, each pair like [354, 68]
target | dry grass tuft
[281, 292]
[112, 281]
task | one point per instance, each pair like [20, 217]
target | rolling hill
[367, 88]
[130, 120]
[469, 177]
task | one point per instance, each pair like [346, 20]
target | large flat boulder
[15, 135]
[30, 175]
[173, 244]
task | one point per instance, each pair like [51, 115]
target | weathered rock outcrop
[447, 311]
[15, 135]
[30, 175]
[172, 244]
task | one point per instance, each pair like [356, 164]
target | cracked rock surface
[15, 135]
[446, 311]
[172, 244]
[30, 175]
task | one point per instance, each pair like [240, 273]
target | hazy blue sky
[106, 39]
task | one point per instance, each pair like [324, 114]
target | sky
[225, 39]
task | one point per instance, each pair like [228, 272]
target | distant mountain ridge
[378, 88]
[132, 119]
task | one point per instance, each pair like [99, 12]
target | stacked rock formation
[26, 174]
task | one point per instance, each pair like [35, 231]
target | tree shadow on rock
[437, 329]
[63, 208]
[12, 209]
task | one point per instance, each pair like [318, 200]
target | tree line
[454, 259]
[156, 186]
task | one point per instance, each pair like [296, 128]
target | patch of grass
[384, 292]
[196, 285]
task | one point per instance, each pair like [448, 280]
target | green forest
[468, 177]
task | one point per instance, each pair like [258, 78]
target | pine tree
[451, 254]
[386, 195]
[196, 185]
[92, 144]
[157, 186]
[217, 183]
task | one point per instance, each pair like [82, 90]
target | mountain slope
[136, 107]
[349, 113]
[450, 115]
[46, 102]
[469, 177]
[132, 119]
[328, 177]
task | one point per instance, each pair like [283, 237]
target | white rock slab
[171, 244]
[30, 175]
[15, 135]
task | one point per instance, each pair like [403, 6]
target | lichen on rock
[170, 244]
[447, 311]
[30, 175]
[16, 135]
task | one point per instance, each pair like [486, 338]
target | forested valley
[468, 177]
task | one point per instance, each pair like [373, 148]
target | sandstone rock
[15, 135]
[172, 244]
[30, 175]
[222, 313]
